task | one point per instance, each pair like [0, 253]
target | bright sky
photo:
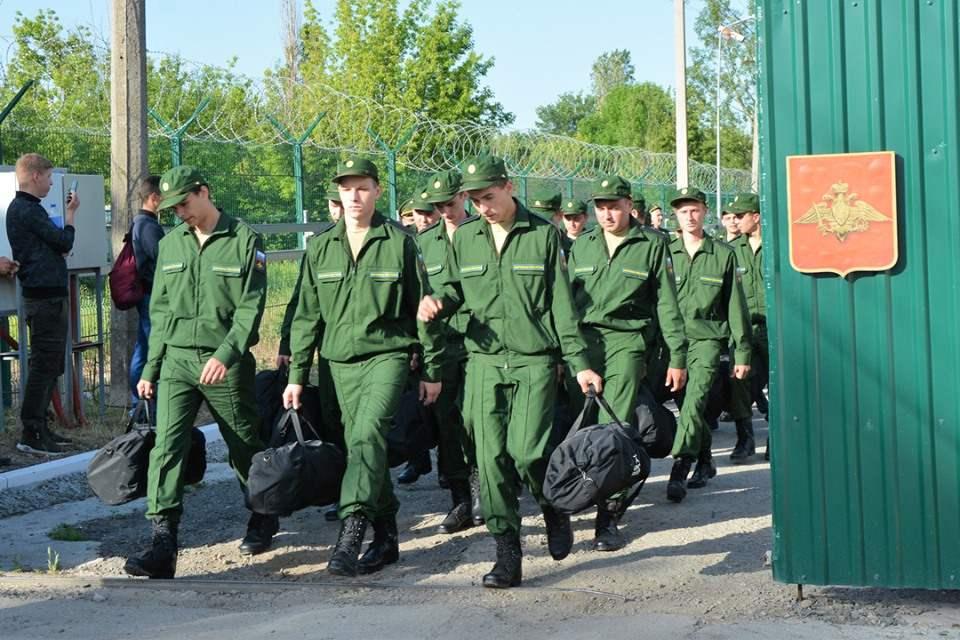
[542, 47]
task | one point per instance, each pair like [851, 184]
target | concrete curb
[71, 464]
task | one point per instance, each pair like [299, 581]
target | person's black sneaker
[607, 536]
[705, 470]
[38, 443]
[725, 417]
[559, 533]
[677, 485]
[59, 438]
[416, 467]
[260, 532]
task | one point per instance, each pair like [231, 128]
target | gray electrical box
[90, 247]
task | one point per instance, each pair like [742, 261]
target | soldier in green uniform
[208, 297]
[729, 223]
[546, 202]
[456, 458]
[714, 313]
[574, 222]
[508, 269]
[623, 288]
[405, 213]
[749, 250]
[655, 215]
[362, 281]
[639, 210]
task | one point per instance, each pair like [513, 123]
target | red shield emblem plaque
[842, 210]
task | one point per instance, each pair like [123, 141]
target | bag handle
[293, 415]
[592, 398]
[142, 410]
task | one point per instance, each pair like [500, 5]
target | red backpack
[126, 288]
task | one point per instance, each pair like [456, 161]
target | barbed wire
[224, 106]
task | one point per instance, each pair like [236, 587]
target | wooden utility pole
[680, 65]
[128, 164]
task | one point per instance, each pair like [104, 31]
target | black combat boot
[476, 507]
[385, 548]
[343, 560]
[744, 449]
[507, 571]
[559, 533]
[260, 532]
[705, 470]
[459, 517]
[677, 486]
[607, 536]
[159, 560]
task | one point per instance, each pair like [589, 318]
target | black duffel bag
[414, 429]
[118, 472]
[595, 462]
[299, 474]
[657, 424]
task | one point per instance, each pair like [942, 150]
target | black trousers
[47, 321]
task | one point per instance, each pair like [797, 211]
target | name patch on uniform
[584, 270]
[434, 269]
[634, 273]
[528, 268]
[329, 276]
[711, 280]
[260, 260]
[174, 266]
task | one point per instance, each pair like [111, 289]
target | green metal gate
[865, 371]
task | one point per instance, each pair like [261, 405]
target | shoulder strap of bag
[293, 415]
[141, 411]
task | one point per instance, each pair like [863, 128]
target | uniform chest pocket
[529, 269]
[635, 274]
[227, 270]
[169, 268]
[711, 281]
[384, 275]
[328, 277]
[472, 270]
[434, 269]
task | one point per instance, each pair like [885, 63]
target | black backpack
[657, 424]
[295, 475]
[595, 462]
[118, 472]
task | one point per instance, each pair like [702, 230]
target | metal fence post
[176, 135]
[391, 153]
[7, 109]
[300, 213]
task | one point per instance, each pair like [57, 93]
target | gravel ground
[704, 559]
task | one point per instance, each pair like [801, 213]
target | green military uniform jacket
[710, 295]
[621, 293]
[208, 297]
[521, 308]
[284, 349]
[751, 272]
[435, 246]
[358, 309]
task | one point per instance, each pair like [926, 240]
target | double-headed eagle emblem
[841, 213]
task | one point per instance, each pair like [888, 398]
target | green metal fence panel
[864, 417]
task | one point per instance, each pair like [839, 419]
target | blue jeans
[139, 359]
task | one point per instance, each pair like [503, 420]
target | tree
[611, 70]
[634, 115]
[564, 116]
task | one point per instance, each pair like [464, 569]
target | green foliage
[66, 533]
[53, 561]
[563, 116]
[636, 115]
[611, 70]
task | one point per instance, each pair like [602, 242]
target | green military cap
[744, 203]
[687, 193]
[443, 186]
[406, 209]
[482, 171]
[333, 193]
[573, 207]
[421, 201]
[356, 166]
[654, 206]
[176, 184]
[610, 188]
[639, 203]
[545, 200]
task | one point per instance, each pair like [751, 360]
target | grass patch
[67, 533]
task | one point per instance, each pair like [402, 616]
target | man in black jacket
[145, 234]
[39, 246]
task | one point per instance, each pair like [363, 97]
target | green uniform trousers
[509, 411]
[622, 363]
[455, 450]
[179, 394]
[744, 392]
[693, 433]
[369, 391]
